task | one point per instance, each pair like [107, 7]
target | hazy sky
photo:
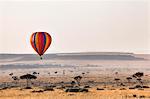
[76, 26]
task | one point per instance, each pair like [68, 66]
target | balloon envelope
[40, 41]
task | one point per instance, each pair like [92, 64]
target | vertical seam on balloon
[34, 42]
[39, 42]
[46, 45]
[44, 42]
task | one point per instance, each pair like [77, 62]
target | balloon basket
[41, 58]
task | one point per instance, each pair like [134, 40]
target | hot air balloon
[40, 41]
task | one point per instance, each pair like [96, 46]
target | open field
[59, 94]
[108, 88]
[104, 76]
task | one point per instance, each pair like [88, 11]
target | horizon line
[78, 52]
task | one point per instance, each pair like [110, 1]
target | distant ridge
[96, 53]
[72, 53]
[75, 56]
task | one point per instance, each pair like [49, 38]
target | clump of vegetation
[138, 76]
[129, 79]
[55, 72]
[117, 81]
[48, 88]
[73, 83]
[100, 89]
[28, 78]
[11, 74]
[37, 91]
[16, 79]
[78, 79]
[83, 73]
[76, 90]
[35, 73]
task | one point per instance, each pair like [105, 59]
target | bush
[76, 90]
[99, 89]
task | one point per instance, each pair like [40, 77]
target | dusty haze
[76, 26]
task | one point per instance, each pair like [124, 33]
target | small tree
[83, 74]
[78, 79]
[11, 74]
[129, 79]
[139, 80]
[28, 78]
[138, 76]
[55, 72]
[73, 83]
[15, 78]
[117, 81]
[35, 73]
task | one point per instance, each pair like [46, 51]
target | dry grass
[16, 93]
